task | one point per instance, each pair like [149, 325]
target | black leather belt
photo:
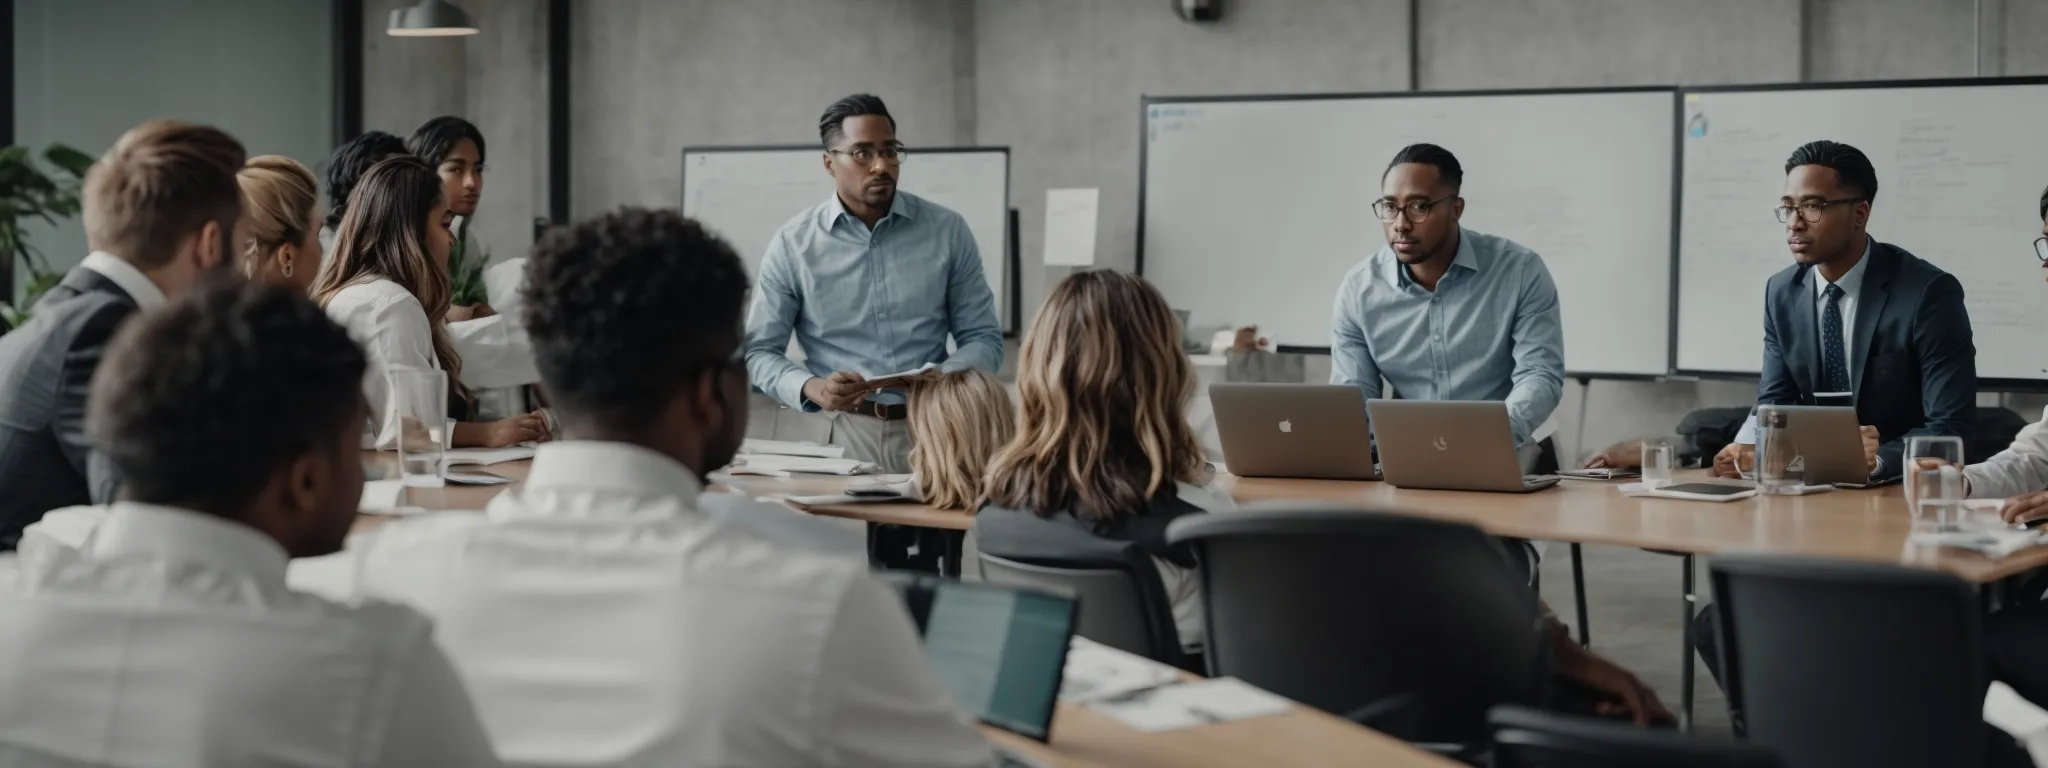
[883, 411]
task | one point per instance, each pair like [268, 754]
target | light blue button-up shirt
[1490, 331]
[872, 302]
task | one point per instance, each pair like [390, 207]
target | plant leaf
[70, 160]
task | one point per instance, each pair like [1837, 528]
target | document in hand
[901, 380]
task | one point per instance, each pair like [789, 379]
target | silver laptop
[1293, 430]
[1450, 446]
[1829, 443]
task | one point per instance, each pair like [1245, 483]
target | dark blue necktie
[1834, 360]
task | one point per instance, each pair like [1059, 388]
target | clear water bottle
[1778, 467]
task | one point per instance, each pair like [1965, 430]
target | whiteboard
[1959, 178]
[746, 194]
[1252, 210]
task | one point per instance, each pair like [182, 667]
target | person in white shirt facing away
[601, 618]
[168, 637]
[387, 283]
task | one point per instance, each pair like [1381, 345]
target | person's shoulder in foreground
[168, 614]
[684, 640]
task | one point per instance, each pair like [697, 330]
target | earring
[286, 269]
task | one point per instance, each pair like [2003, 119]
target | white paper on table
[1070, 216]
[381, 496]
[1095, 671]
[790, 448]
[805, 464]
[2026, 722]
[835, 499]
[484, 457]
[757, 471]
[1185, 705]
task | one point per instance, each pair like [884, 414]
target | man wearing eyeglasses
[1856, 321]
[871, 282]
[1446, 313]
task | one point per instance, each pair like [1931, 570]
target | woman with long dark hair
[387, 283]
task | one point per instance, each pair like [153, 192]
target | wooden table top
[1867, 525]
[1301, 736]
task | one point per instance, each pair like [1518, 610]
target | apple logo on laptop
[1286, 426]
[1442, 444]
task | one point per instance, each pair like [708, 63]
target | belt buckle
[878, 410]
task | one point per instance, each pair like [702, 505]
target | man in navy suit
[161, 209]
[1859, 321]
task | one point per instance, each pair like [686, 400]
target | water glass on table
[1657, 462]
[1934, 482]
[421, 399]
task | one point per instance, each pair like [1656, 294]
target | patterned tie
[1834, 361]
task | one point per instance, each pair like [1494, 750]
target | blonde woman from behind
[281, 214]
[958, 421]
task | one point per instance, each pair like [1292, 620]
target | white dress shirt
[392, 326]
[138, 286]
[2020, 469]
[169, 638]
[601, 619]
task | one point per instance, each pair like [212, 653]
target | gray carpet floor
[1633, 606]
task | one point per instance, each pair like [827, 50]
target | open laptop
[1829, 442]
[1000, 650]
[1450, 445]
[1293, 430]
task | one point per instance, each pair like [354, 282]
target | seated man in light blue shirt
[872, 282]
[1446, 313]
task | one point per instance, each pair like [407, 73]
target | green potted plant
[27, 192]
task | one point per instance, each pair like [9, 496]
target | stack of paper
[1095, 671]
[787, 448]
[770, 464]
[484, 457]
[1184, 705]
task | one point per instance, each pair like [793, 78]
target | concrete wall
[1058, 81]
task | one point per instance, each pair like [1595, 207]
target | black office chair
[1851, 664]
[1119, 608]
[1527, 738]
[1413, 626]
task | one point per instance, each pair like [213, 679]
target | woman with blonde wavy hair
[1103, 443]
[958, 421]
[281, 208]
[387, 283]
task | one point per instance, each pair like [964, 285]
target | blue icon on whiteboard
[1697, 126]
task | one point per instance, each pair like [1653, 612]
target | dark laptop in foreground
[1314, 431]
[1450, 446]
[1000, 650]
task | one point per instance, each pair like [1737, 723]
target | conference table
[1081, 737]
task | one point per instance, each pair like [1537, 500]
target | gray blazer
[46, 368]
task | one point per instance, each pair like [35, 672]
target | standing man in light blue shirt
[872, 282]
[1446, 313]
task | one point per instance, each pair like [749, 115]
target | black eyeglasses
[1810, 211]
[1416, 212]
[889, 153]
[2041, 249]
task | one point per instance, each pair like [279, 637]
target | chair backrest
[1851, 664]
[1115, 611]
[1527, 738]
[1347, 609]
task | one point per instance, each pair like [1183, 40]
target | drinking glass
[1934, 482]
[1657, 461]
[421, 398]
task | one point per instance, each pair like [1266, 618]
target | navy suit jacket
[46, 367]
[1911, 354]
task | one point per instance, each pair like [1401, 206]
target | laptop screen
[1001, 652]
